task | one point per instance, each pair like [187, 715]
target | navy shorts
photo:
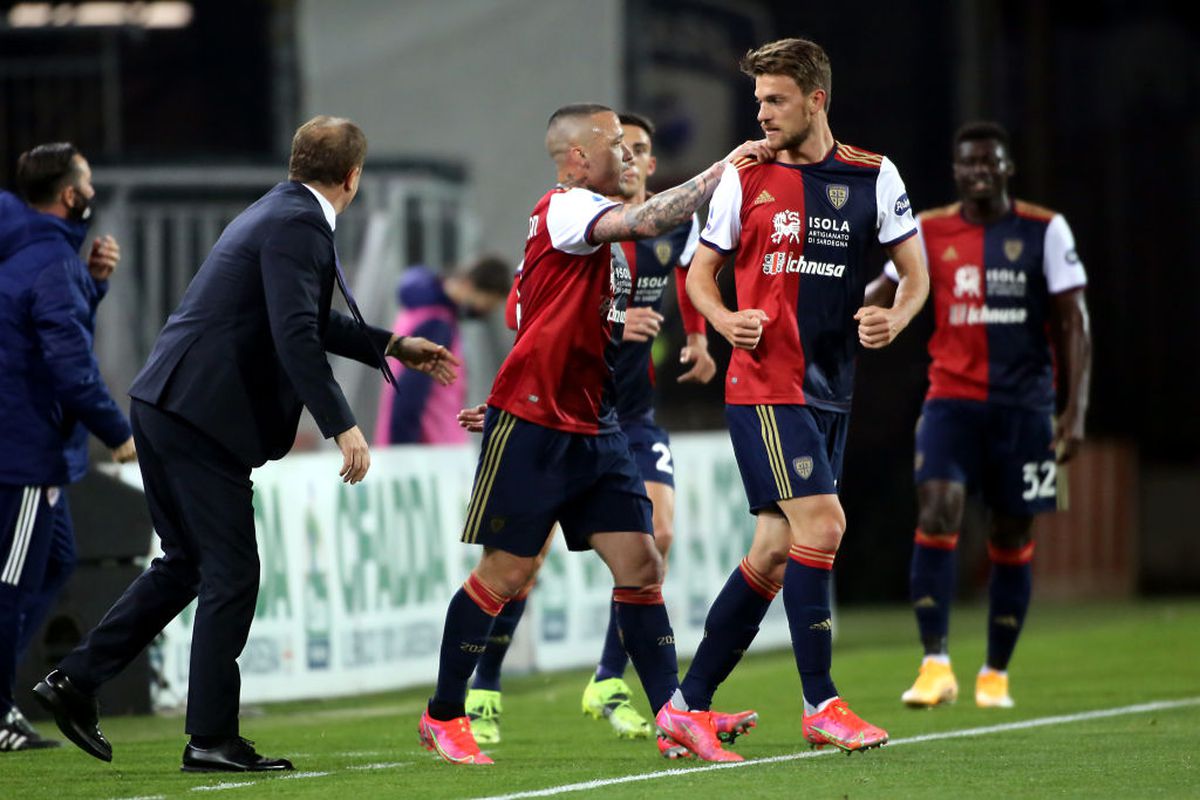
[530, 476]
[651, 450]
[1002, 452]
[786, 451]
[28, 531]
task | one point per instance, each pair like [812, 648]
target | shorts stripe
[770, 434]
[487, 475]
[22, 533]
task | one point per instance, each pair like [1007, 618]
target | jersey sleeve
[1064, 270]
[724, 225]
[894, 217]
[889, 268]
[570, 218]
[689, 247]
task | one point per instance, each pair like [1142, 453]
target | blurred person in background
[51, 396]
[799, 229]
[1011, 324]
[607, 695]
[418, 410]
[221, 393]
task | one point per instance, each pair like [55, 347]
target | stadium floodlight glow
[157, 14]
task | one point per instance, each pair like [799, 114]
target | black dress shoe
[76, 712]
[232, 755]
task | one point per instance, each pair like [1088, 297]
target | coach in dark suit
[220, 394]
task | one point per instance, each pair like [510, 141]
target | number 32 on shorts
[1039, 479]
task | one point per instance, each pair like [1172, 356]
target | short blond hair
[802, 60]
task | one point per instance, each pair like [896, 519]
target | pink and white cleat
[731, 726]
[839, 726]
[451, 740]
[694, 731]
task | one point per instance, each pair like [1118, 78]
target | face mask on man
[81, 209]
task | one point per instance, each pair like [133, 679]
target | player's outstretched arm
[671, 208]
[1072, 338]
[878, 326]
[741, 328]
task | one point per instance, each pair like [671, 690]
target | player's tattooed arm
[671, 208]
[660, 213]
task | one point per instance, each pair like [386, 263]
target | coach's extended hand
[472, 418]
[423, 355]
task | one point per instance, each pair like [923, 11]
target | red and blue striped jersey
[801, 234]
[652, 261]
[991, 288]
[570, 315]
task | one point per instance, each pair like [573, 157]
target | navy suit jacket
[245, 349]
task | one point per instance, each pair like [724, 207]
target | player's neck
[986, 210]
[635, 199]
[813, 149]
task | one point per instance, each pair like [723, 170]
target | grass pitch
[1071, 659]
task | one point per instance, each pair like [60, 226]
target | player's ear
[651, 166]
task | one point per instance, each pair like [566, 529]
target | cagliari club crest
[662, 251]
[803, 466]
[1013, 248]
[838, 194]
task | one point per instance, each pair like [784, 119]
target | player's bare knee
[506, 574]
[769, 558]
[664, 536]
[940, 507]
[823, 531]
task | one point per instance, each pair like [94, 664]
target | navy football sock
[806, 598]
[613, 658]
[1008, 592]
[931, 587]
[469, 620]
[649, 640]
[487, 671]
[730, 627]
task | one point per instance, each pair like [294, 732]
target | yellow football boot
[935, 685]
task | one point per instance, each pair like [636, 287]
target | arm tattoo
[660, 213]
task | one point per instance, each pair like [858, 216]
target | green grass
[1071, 659]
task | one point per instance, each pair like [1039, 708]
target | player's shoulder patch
[1033, 211]
[857, 157]
[942, 212]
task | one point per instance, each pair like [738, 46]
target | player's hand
[748, 150]
[423, 355]
[642, 324]
[103, 258]
[472, 418]
[356, 457]
[878, 327]
[696, 353]
[742, 329]
[1068, 435]
[125, 452]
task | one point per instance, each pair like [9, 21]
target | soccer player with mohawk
[552, 449]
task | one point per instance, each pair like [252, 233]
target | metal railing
[168, 218]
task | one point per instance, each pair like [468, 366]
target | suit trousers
[201, 501]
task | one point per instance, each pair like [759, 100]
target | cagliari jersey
[571, 315]
[991, 288]
[652, 261]
[801, 233]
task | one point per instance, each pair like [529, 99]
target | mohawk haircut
[576, 110]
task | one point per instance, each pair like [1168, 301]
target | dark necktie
[358, 317]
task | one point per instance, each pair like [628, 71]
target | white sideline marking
[216, 787]
[291, 776]
[1037, 722]
[384, 765]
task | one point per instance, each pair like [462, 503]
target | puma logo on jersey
[763, 197]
